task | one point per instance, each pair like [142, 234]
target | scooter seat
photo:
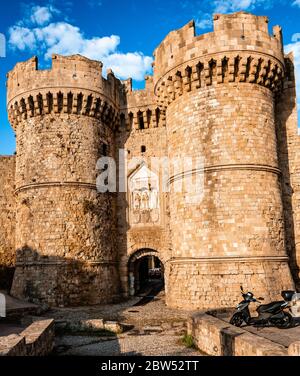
[271, 307]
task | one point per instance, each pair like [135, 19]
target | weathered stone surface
[36, 340]
[12, 345]
[39, 338]
[227, 97]
[7, 220]
[217, 337]
[90, 325]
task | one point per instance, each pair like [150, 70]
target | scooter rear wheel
[286, 322]
[237, 319]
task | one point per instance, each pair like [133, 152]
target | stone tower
[64, 120]
[219, 93]
[225, 97]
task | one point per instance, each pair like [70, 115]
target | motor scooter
[271, 314]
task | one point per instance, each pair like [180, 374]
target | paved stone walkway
[16, 307]
[154, 313]
[157, 330]
[150, 345]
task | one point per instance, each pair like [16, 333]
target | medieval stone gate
[138, 266]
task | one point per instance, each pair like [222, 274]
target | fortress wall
[153, 137]
[212, 96]
[63, 148]
[289, 161]
[138, 106]
[66, 232]
[219, 101]
[132, 238]
[7, 220]
[67, 73]
[239, 219]
[241, 31]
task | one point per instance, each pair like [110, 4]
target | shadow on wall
[6, 277]
[142, 136]
[285, 108]
[58, 281]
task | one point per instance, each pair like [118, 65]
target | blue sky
[122, 34]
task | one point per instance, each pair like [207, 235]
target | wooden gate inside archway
[146, 270]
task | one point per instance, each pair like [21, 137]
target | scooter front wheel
[286, 322]
[237, 319]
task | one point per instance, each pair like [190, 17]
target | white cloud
[22, 38]
[124, 64]
[296, 37]
[225, 6]
[95, 3]
[41, 15]
[296, 3]
[66, 39]
[204, 22]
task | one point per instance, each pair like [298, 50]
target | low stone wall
[12, 345]
[92, 325]
[36, 340]
[216, 337]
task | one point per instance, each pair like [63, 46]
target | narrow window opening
[130, 115]
[70, 102]
[199, 68]
[104, 150]
[149, 114]
[157, 115]
[50, 102]
[60, 102]
[79, 103]
[31, 104]
[141, 120]
[122, 121]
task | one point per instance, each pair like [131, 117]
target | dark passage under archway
[146, 275]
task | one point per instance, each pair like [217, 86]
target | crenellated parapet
[76, 102]
[140, 109]
[219, 69]
[74, 85]
[240, 49]
[224, 104]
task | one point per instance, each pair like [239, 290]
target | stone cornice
[75, 184]
[184, 260]
[228, 167]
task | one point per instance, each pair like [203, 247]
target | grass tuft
[187, 340]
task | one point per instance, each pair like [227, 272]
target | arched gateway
[145, 270]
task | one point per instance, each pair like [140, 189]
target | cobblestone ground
[150, 345]
[157, 330]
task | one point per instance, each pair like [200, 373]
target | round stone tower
[64, 120]
[218, 91]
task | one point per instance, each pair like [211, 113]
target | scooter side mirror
[261, 299]
[241, 287]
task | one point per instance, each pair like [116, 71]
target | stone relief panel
[143, 197]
